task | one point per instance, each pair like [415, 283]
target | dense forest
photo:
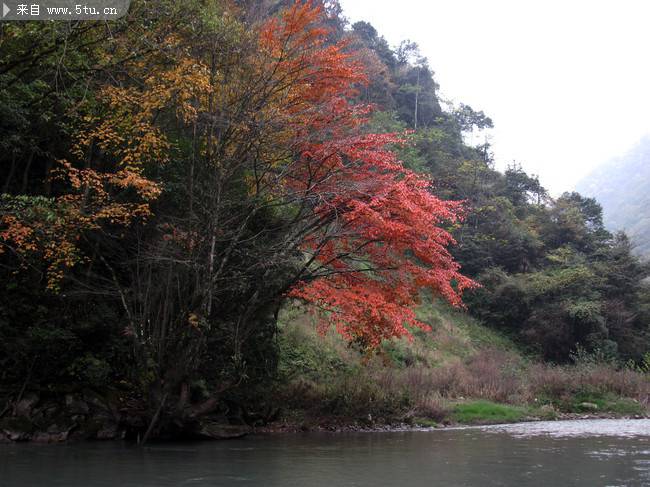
[173, 182]
[620, 185]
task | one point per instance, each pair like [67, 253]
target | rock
[215, 431]
[589, 406]
[96, 401]
[59, 437]
[26, 404]
[53, 434]
[14, 435]
[41, 437]
[76, 405]
[107, 432]
[50, 437]
[46, 412]
[17, 428]
[54, 429]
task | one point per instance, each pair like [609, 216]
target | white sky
[566, 82]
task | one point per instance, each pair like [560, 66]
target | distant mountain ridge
[622, 186]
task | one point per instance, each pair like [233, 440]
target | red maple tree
[375, 239]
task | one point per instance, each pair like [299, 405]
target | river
[585, 453]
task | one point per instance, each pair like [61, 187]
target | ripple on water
[622, 428]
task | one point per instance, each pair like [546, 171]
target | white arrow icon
[5, 10]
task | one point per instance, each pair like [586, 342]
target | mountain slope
[622, 186]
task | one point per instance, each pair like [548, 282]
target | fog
[566, 83]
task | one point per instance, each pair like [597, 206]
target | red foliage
[383, 246]
[378, 238]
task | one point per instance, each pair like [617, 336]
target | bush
[431, 407]
[569, 386]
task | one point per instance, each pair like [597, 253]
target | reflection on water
[568, 453]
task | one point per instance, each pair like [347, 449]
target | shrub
[432, 407]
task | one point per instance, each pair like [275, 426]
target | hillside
[458, 372]
[170, 221]
[621, 186]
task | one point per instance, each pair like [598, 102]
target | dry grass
[323, 377]
[564, 381]
[432, 406]
[488, 374]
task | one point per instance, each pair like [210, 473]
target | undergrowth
[459, 372]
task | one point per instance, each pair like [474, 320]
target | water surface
[566, 453]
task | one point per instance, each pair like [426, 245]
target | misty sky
[567, 82]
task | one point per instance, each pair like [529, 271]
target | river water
[586, 453]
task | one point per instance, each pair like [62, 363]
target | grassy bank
[459, 373]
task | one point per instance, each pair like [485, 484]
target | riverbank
[470, 413]
[459, 373]
[418, 425]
